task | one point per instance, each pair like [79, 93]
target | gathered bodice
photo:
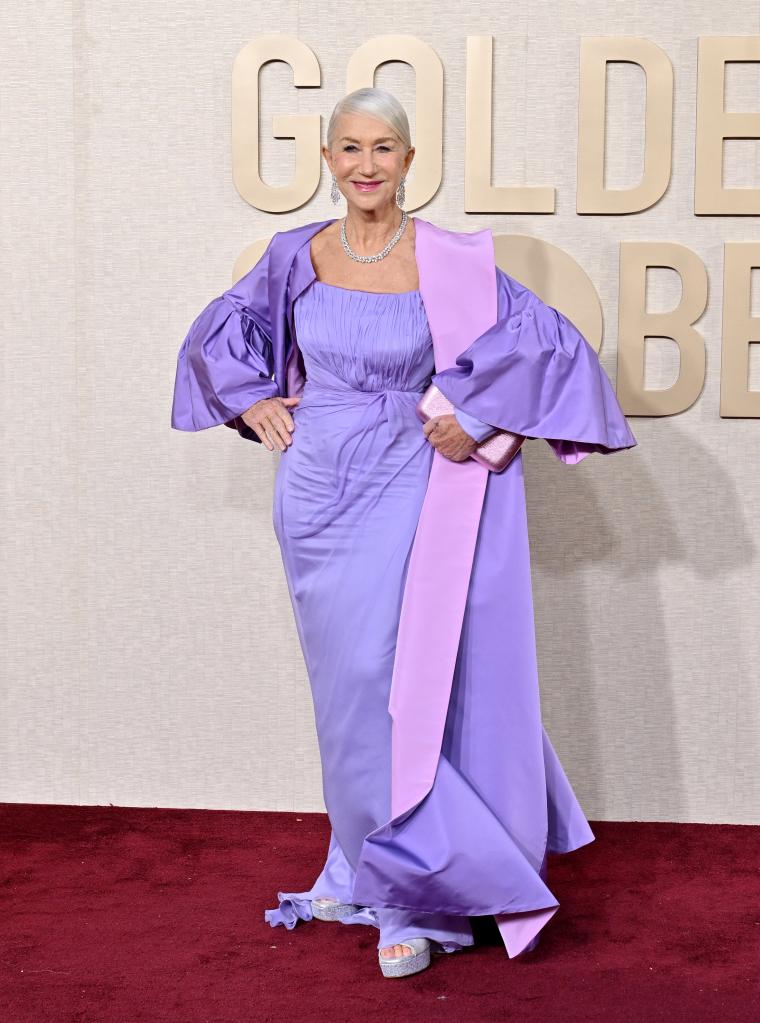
[362, 340]
[368, 358]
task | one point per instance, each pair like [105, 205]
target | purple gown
[348, 494]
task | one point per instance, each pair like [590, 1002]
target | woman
[407, 562]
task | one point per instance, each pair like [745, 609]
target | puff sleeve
[225, 363]
[534, 373]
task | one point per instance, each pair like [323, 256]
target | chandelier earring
[335, 192]
[401, 194]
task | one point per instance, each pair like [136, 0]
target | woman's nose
[367, 165]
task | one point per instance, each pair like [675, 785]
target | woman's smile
[366, 186]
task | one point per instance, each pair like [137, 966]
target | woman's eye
[386, 148]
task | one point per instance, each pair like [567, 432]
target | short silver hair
[374, 102]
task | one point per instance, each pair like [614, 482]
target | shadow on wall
[649, 690]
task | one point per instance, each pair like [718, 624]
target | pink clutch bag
[495, 453]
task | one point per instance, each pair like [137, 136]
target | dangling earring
[401, 194]
[335, 192]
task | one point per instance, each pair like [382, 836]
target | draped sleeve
[534, 373]
[225, 363]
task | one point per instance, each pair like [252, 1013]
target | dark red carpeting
[110, 914]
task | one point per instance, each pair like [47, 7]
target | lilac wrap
[476, 842]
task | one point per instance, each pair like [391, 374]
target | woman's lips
[362, 186]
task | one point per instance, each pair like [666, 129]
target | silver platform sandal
[402, 966]
[331, 909]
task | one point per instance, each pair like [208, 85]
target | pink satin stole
[458, 287]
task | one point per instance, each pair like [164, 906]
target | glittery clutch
[495, 453]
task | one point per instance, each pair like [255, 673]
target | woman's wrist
[476, 428]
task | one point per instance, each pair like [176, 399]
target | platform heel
[330, 909]
[402, 966]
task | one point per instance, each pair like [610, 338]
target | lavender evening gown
[347, 500]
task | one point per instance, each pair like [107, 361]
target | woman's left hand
[448, 437]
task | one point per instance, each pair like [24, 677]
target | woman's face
[367, 152]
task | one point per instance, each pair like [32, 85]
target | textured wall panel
[150, 656]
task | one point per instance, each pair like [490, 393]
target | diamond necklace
[383, 252]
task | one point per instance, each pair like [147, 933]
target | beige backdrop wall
[150, 655]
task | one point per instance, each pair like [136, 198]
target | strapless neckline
[359, 291]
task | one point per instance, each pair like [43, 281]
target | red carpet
[112, 914]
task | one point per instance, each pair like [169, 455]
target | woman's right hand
[269, 418]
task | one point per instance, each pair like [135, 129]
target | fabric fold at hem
[295, 906]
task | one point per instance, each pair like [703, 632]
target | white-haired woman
[322, 352]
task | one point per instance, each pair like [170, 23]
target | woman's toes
[393, 951]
